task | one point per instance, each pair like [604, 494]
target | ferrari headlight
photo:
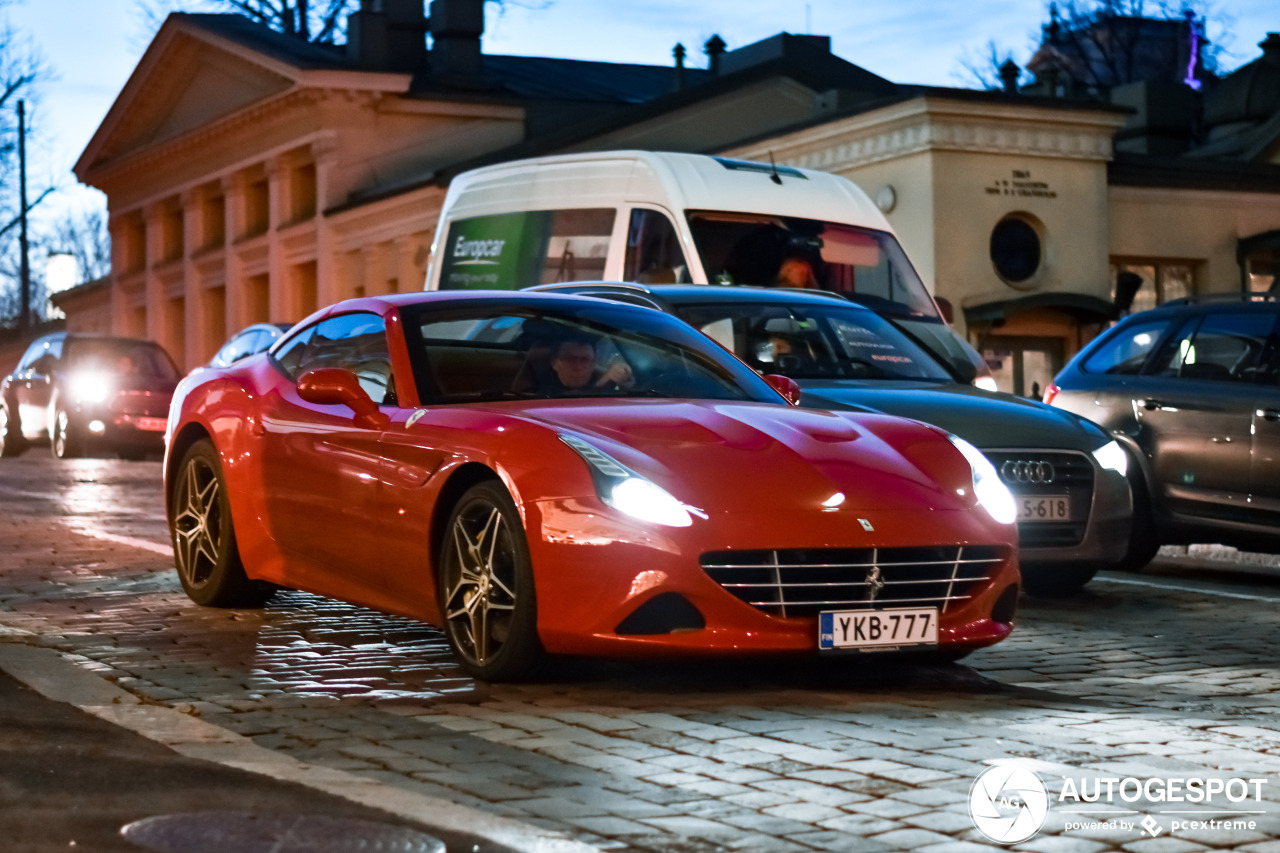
[626, 491]
[1112, 457]
[990, 492]
[90, 387]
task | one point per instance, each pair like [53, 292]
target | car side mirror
[784, 385]
[964, 369]
[333, 386]
[43, 365]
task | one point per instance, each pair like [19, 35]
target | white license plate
[152, 424]
[1044, 508]
[857, 629]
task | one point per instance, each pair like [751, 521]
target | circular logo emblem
[1021, 471]
[1008, 803]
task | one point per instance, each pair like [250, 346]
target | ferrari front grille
[804, 582]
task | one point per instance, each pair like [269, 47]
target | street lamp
[60, 273]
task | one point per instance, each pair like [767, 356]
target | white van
[662, 217]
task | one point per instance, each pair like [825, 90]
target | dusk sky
[93, 45]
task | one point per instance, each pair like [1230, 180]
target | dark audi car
[1192, 388]
[1067, 474]
[88, 394]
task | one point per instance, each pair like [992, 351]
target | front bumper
[596, 571]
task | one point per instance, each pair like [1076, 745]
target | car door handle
[1151, 404]
[1269, 414]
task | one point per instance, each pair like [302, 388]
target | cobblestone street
[1169, 674]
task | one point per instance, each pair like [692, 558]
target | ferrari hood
[707, 451]
[984, 418]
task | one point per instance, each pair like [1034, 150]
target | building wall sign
[1022, 184]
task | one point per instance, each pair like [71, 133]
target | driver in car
[573, 368]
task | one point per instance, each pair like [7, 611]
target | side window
[1126, 352]
[354, 342]
[653, 250]
[41, 356]
[513, 250]
[1222, 348]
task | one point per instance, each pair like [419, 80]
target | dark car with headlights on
[1193, 389]
[88, 394]
[1066, 473]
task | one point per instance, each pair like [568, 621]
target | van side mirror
[784, 385]
[333, 386]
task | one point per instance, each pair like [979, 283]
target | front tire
[65, 444]
[11, 441]
[204, 540]
[1057, 581]
[485, 587]
[1143, 543]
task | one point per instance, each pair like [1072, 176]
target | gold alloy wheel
[480, 598]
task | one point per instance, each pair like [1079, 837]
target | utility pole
[24, 318]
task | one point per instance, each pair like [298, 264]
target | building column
[234, 192]
[153, 216]
[329, 289]
[119, 263]
[280, 298]
[410, 278]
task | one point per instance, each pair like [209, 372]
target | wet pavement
[1169, 674]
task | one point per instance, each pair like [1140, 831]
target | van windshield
[866, 265]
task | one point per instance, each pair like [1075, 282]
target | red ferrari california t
[542, 474]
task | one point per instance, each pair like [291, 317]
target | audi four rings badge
[1021, 471]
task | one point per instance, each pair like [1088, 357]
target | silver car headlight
[1112, 457]
[992, 494]
[628, 492]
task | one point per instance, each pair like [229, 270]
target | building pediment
[188, 79]
[192, 87]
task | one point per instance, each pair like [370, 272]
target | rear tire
[204, 540]
[11, 441]
[485, 587]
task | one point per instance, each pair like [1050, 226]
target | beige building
[252, 177]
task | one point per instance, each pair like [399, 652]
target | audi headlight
[1112, 457]
[90, 387]
[626, 491]
[990, 492]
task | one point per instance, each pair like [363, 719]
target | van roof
[663, 178]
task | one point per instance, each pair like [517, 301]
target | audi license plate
[1044, 508]
[868, 629]
[152, 424]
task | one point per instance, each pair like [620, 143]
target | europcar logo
[487, 252]
[1008, 804]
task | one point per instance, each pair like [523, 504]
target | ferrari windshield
[866, 265]
[495, 351]
[806, 340]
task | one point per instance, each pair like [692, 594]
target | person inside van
[796, 271]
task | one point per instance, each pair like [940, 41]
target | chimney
[1009, 73]
[714, 48]
[387, 35]
[678, 53]
[456, 28]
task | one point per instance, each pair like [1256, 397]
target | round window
[1015, 249]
